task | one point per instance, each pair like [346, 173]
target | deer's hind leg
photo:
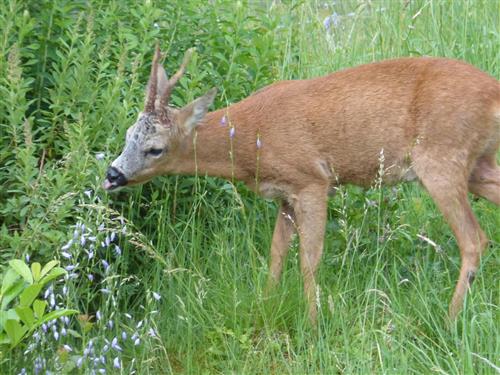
[447, 183]
[485, 179]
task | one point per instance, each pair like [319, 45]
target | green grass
[72, 75]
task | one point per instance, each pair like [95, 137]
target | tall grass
[72, 75]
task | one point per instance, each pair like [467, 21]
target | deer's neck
[210, 150]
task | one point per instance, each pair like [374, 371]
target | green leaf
[6, 315]
[56, 314]
[26, 315]
[15, 331]
[70, 364]
[35, 271]
[22, 269]
[74, 333]
[8, 280]
[54, 273]
[39, 308]
[29, 294]
[4, 340]
[12, 293]
[48, 267]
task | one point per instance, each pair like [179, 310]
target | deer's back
[345, 124]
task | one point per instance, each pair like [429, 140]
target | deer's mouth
[108, 185]
[114, 179]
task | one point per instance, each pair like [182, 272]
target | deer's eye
[155, 151]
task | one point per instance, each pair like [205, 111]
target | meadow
[169, 277]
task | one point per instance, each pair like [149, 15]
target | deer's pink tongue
[106, 184]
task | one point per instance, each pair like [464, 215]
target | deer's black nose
[116, 177]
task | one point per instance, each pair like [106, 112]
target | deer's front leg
[282, 236]
[310, 208]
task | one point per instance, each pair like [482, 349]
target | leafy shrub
[21, 312]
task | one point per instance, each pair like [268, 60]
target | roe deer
[437, 120]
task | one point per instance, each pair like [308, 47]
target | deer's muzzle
[114, 179]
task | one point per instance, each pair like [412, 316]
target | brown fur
[434, 119]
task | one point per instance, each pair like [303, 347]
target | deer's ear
[190, 116]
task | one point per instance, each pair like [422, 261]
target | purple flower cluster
[332, 20]
[91, 258]
[95, 355]
[50, 334]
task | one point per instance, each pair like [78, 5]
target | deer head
[159, 129]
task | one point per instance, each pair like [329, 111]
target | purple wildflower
[334, 20]
[156, 296]
[326, 23]
[116, 363]
[223, 121]
[232, 132]
[258, 143]
[105, 264]
[66, 255]
[114, 344]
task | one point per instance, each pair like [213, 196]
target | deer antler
[149, 106]
[172, 81]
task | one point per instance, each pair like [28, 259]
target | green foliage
[21, 312]
[72, 76]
